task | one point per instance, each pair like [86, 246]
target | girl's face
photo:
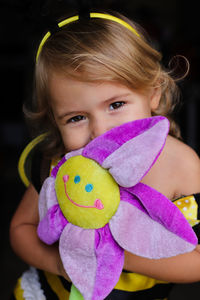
[83, 110]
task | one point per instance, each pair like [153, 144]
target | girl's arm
[183, 268]
[181, 177]
[25, 242]
[24, 239]
[185, 179]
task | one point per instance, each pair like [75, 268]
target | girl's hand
[197, 248]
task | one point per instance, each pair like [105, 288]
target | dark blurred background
[174, 28]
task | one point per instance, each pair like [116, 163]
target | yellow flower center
[87, 194]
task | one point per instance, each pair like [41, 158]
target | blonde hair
[97, 50]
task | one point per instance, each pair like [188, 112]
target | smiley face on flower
[87, 194]
[96, 206]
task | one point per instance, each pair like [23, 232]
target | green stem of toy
[75, 294]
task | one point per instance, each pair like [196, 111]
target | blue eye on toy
[89, 187]
[77, 179]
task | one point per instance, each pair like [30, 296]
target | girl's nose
[98, 127]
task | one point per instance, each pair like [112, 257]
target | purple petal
[103, 146]
[127, 196]
[161, 209]
[139, 234]
[129, 163]
[52, 225]
[78, 256]
[110, 260]
[64, 159]
[47, 197]
[56, 168]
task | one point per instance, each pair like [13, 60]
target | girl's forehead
[79, 95]
[60, 85]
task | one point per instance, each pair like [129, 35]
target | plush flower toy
[96, 206]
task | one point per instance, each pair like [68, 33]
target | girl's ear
[155, 98]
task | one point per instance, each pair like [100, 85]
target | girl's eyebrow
[68, 114]
[113, 98]
[117, 97]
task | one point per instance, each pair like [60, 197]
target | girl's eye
[76, 119]
[116, 105]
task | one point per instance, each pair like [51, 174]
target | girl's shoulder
[176, 171]
[182, 155]
[185, 164]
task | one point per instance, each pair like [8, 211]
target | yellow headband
[92, 15]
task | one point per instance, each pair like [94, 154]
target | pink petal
[162, 210]
[129, 163]
[77, 252]
[52, 225]
[103, 146]
[47, 197]
[110, 260]
[139, 234]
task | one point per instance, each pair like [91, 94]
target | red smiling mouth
[97, 203]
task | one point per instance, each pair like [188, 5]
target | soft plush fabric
[141, 235]
[78, 253]
[91, 187]
[111, 209]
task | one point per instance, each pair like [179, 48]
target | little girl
[93, 74]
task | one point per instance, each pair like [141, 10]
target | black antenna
[84, 9]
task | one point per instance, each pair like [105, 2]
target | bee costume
[37, 284]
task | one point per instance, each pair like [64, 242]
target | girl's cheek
[74, 141]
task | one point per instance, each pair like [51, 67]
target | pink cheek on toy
[65, 178]
[98, 204]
